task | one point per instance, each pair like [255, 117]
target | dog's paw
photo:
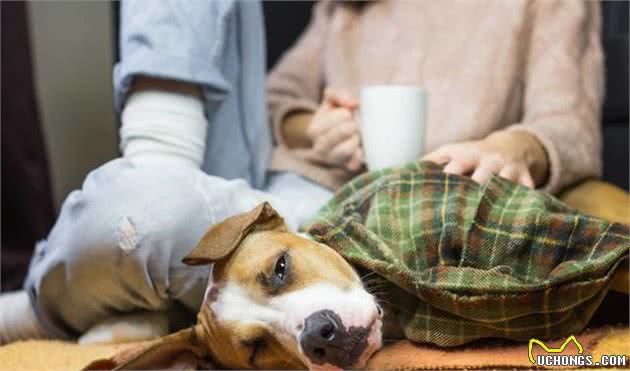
[138, 326]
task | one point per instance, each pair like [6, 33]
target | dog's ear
[173, 352]
[221, 239]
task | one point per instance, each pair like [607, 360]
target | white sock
[164, 127]
[17, 318]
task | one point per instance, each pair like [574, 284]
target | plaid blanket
[463, 261]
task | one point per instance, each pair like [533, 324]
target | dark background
[27, 207]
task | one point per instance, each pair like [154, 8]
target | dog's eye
[281, 267]
[279, 276]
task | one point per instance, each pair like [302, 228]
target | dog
[280, 300]
[275, 300]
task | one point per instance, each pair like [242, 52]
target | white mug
[392, 121]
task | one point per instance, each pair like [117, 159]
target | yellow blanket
[56, 355]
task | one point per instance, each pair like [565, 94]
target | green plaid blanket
[465, 261]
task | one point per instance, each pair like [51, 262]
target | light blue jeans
[118, 242]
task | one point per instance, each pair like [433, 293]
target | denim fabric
[118, 242]
[219, 45]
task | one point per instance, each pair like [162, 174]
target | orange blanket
[57, 355]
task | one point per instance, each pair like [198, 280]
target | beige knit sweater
[535, 66]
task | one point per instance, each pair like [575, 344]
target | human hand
[334, 133]
[517, 156]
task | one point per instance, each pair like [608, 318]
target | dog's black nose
[326, 340]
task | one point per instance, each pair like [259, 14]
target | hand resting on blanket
[513, 155]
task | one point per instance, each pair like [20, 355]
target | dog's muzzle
[324, 339]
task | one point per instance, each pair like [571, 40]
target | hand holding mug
[334, 132]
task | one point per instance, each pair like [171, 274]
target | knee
[88, 224]
[93, 237]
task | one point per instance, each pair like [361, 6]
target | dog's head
[279, 300]
[275, 300]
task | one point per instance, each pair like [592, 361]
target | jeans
[118, 242]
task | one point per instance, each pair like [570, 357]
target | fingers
[510, 172]
[343, 152]
[518, 174]
[438, 156]
[326, 120]
[459, 159]
[356, 161]
[335, 136]
[335, 97]
[326, 142]
[485, 171]
[460, 167]
[482, 161]
[527, 180]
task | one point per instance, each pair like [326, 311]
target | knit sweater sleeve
[564, 89]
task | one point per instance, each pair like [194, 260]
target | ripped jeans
[118, 242]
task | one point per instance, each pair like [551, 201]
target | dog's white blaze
[354, 306]
[234, 304]
[287, 312]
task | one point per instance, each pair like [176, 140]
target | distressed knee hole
[128, 240]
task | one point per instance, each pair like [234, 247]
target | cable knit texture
[533, 66]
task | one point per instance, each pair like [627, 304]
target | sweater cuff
[283, 110]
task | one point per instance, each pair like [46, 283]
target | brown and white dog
[275, 300]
